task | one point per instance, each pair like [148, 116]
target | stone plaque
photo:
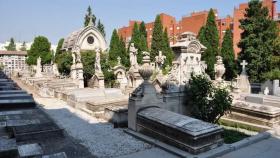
[29, 150]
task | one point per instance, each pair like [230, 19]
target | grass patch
[239, 125]
[232, 136]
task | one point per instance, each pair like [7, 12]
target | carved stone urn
[146, 71]
[219, 69]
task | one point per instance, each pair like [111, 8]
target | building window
[223, 23]
[90, 40]
[171, 28]
[151, 29]
[178, 28]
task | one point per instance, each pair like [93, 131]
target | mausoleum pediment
[88, 38]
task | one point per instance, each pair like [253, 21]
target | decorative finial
[146, 70]
[119, 60]
[90, 20]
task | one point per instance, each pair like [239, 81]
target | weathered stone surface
[29, 150]
[57, 155]
[263, 99]
[184, 132]
[8, 148]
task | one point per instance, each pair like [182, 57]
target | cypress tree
[114, 48]
[87, 17]
[101, 28]
[167, 50]
[123, 53]
[59, 47]
[227, 53]
[157, 40]
[257, 38]
[210, 38]
[142, 29]
[11, 46]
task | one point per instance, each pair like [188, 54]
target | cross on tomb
[243, 64]
[119, 60]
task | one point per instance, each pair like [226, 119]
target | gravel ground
[98, 136]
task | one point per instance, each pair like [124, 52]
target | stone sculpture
[38, 68]
[219, 69]
[133, 56]
[160, 61]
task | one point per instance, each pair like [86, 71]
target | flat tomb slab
[253, 113]
[13, 92]
[37, 131]
[186, 133]
[8, 148]
[29, 150]
[263, 99]
[57, 155]
[17, 102]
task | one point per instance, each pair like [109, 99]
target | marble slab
[57, 155]
[29, 150]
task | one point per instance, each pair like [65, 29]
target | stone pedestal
[276, 88]
[80, 75]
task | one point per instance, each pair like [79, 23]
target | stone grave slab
[186, 133]
[37, 131]
[13, 92]
[263, 99]
[30, 150]
[14, 123]
[14, 101]
[57, 155]
[8, 148]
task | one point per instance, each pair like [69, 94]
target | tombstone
[55, 69]
[120, 73]
[38, 68]
[243, 82]
[145, 116]
[97, 80]
[30, 150]
[219, 69]
[276, 88]
[267, 85]
[77, 73]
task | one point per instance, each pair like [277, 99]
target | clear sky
[55, 19]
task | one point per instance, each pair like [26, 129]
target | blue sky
[55, 19]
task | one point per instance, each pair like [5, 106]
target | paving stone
[29, 150]
[57, 155]
[8, 148]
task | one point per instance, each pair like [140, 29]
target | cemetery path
[98, 136]
[268, 148]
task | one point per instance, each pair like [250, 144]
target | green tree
[23, 47]
[114, 48]
[227, 53]
[88, 15]
[59, 47]
[209, 37]
[157, 40]
[64, 62]
[142, 29]
[123, 53]
[167, 51]
[101, 28]
[109, 77]
[257, 40]
[208, 103]
[40, 47]
[88, 60]
[11, 46]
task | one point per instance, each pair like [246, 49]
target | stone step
[37, 131]
[8, 148]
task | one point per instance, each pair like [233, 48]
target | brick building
[196, 20]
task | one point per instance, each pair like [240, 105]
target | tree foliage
[58, 48]
[257, 42]
[64, 62]
[11, 46]
[101, 28]
[139, 38]
[117, 49]
[209, 37]
[208, 103]
[160, 42]
[227, 53]
[40, 47]
[88, 60]
[88, 15]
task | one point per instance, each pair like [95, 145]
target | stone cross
[243, 64]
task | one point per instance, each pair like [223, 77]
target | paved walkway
[269, 148]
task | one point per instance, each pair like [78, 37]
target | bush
[208, 103]
[273, 75]
[64, 62]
